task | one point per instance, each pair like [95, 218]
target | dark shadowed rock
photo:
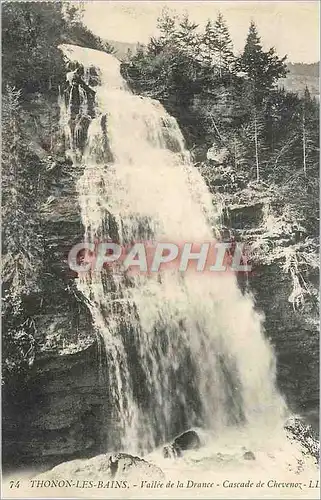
[249, 455]
[188, 440]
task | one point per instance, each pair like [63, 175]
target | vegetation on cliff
[32, 70]
[31, 34]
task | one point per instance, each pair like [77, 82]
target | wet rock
[188, 440]
[217, 155]
[120, 465]
[81, 127]
[299, 431]
[249, 455]
[170, 452]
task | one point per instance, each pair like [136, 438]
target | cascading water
[182, 350]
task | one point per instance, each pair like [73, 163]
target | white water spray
[182, 350]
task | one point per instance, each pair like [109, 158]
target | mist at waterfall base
[182, 350]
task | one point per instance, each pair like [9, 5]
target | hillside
[122, 48]
[300, 76]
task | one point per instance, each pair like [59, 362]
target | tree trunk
[304, 145]
[256, 150]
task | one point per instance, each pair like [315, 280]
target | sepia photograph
[160, 249]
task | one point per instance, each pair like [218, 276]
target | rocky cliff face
[291, 328]
[60, 414]
[56, 412]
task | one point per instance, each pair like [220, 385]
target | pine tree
[263, 68]
[186, 36]
[207, 46]
[73, 13]
[223, 47]
[217, 48]
[166, 25]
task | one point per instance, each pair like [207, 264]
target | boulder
[106, 466]
[188, 440]
[249, 455]
[298, 430]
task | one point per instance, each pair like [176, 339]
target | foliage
[216, 47]
[31, 33]
[263, 69]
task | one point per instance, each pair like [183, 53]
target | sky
[291, 26]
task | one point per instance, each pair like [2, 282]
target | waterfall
[182, 349]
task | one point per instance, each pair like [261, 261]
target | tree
[168, 68]
[310, 139]
[207, 43]
[262, 68]
[31, 33]
[74, 13]
[186, 36]
[166, 25]
[217, 46]
[256, 142]
[223, 47]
